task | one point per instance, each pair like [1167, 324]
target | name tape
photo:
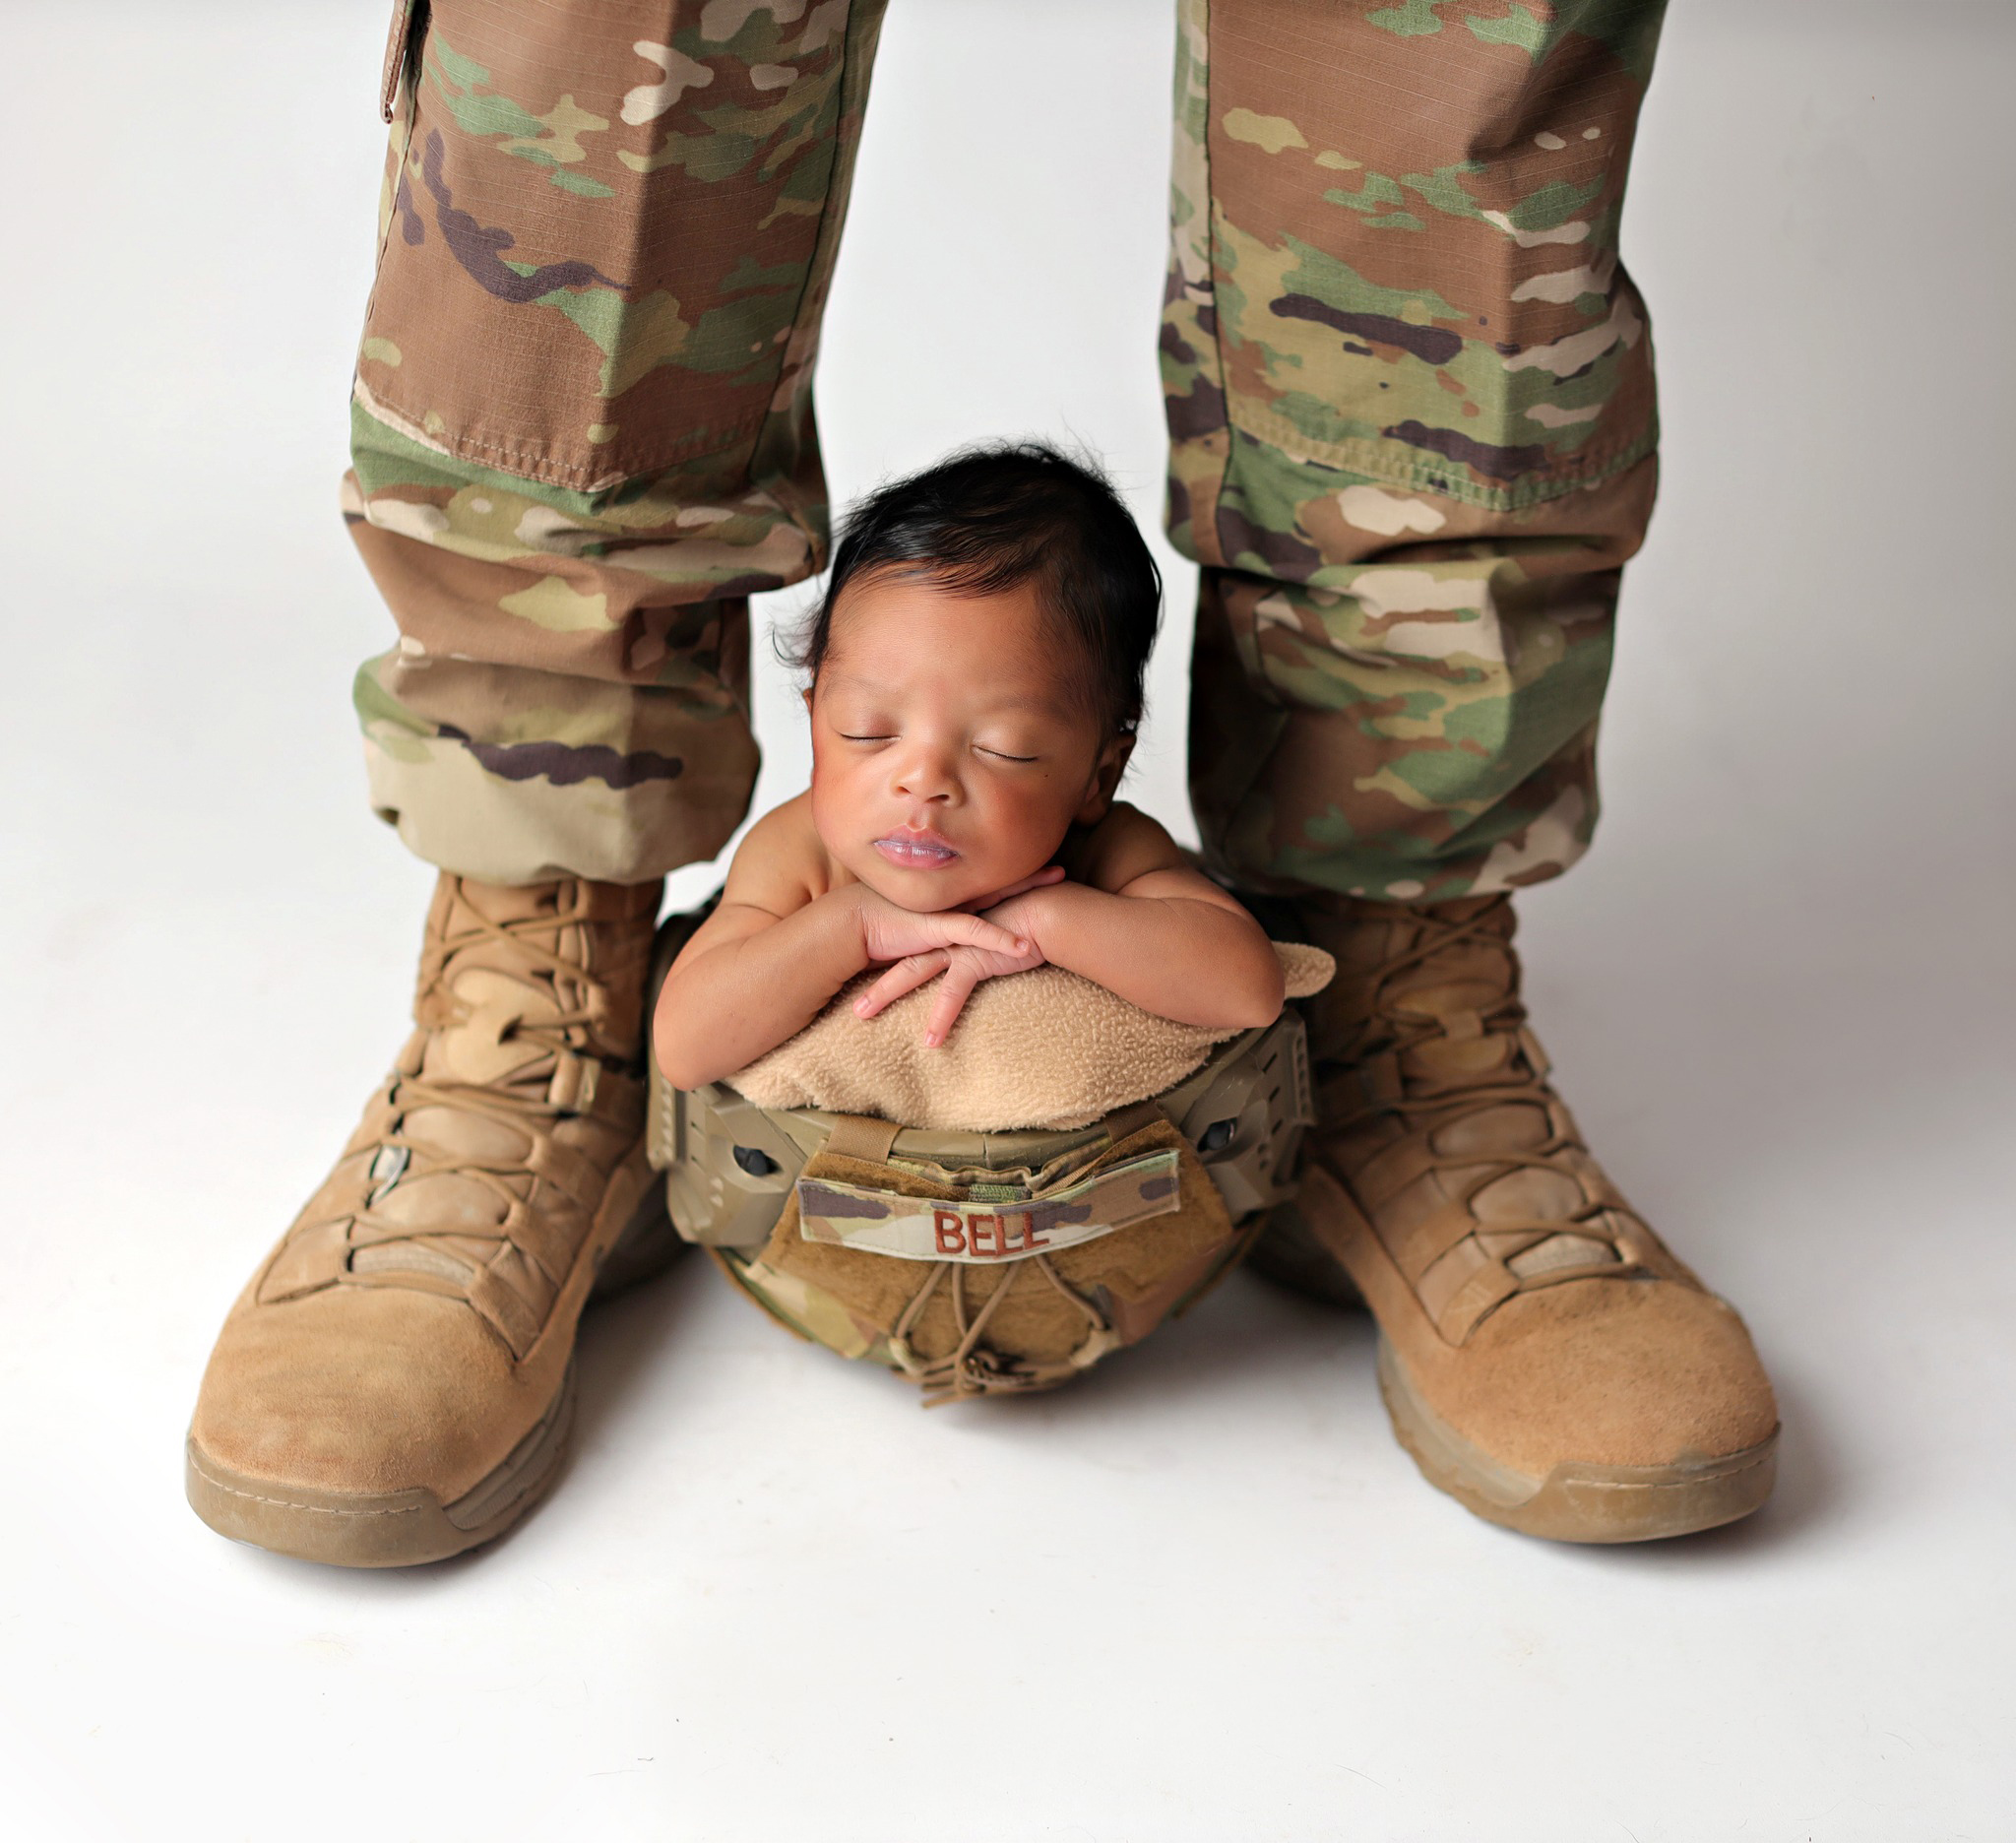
[879, 1221]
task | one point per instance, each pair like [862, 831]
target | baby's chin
[929, 892]
[920, 892]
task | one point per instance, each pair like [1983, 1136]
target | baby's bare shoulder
[781, 865]
[1124, 846]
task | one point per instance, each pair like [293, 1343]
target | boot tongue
[496, 987]
[487, 1045]
[474, 904]
[1468, 1046]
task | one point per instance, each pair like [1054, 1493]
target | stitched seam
[1364, 455]
[289, 1504]
[1266, 425]
[579, 477]
[751, 418]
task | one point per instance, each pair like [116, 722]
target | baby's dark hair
[987, 519]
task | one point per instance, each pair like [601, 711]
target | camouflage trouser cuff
[455, 813]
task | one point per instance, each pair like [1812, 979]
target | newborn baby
[976, 681]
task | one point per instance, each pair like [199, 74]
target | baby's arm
[1144, 924]
[1141, 922]
[777, 947]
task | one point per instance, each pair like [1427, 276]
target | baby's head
[977, 672]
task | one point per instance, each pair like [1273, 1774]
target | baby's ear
[1106, 779]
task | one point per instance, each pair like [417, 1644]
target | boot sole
[381, 1529]
[408, 1528]
[1577, 1502]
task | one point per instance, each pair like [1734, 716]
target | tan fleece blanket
[1039, 1048]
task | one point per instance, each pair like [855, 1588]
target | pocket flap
[406, 19]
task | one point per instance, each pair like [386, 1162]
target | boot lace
[1382, 1078]
[403, 1155]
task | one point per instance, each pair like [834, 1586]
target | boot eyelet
[388, 1166]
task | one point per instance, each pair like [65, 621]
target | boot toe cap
[1637, 1374]
[362, 1390]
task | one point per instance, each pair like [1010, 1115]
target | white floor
[1204, 1596]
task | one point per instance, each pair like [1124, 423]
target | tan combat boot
[396, 1383]
[1544, 1356]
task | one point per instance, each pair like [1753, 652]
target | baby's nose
[925, 773]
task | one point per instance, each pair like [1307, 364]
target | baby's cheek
[1036, 820]
[833, 801]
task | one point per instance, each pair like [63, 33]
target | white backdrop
[1202, 1595]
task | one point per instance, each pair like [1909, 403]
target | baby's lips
[919, 849]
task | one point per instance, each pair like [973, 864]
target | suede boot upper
[415, 1325]
[1535, 1319]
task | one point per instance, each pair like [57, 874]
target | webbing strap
[857, 1136]
[1124, 1122]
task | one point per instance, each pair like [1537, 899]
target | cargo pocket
[1424, 297]
[602, 230]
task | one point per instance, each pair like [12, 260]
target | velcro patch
[929, 1230]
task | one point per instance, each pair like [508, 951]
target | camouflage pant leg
[582, 426]
[1411, 424]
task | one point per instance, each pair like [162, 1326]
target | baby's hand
[892, 933]
[962, 966]
[1041, 879]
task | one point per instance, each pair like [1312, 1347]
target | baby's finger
[976, 931]
[906, 976]
[960, 979]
